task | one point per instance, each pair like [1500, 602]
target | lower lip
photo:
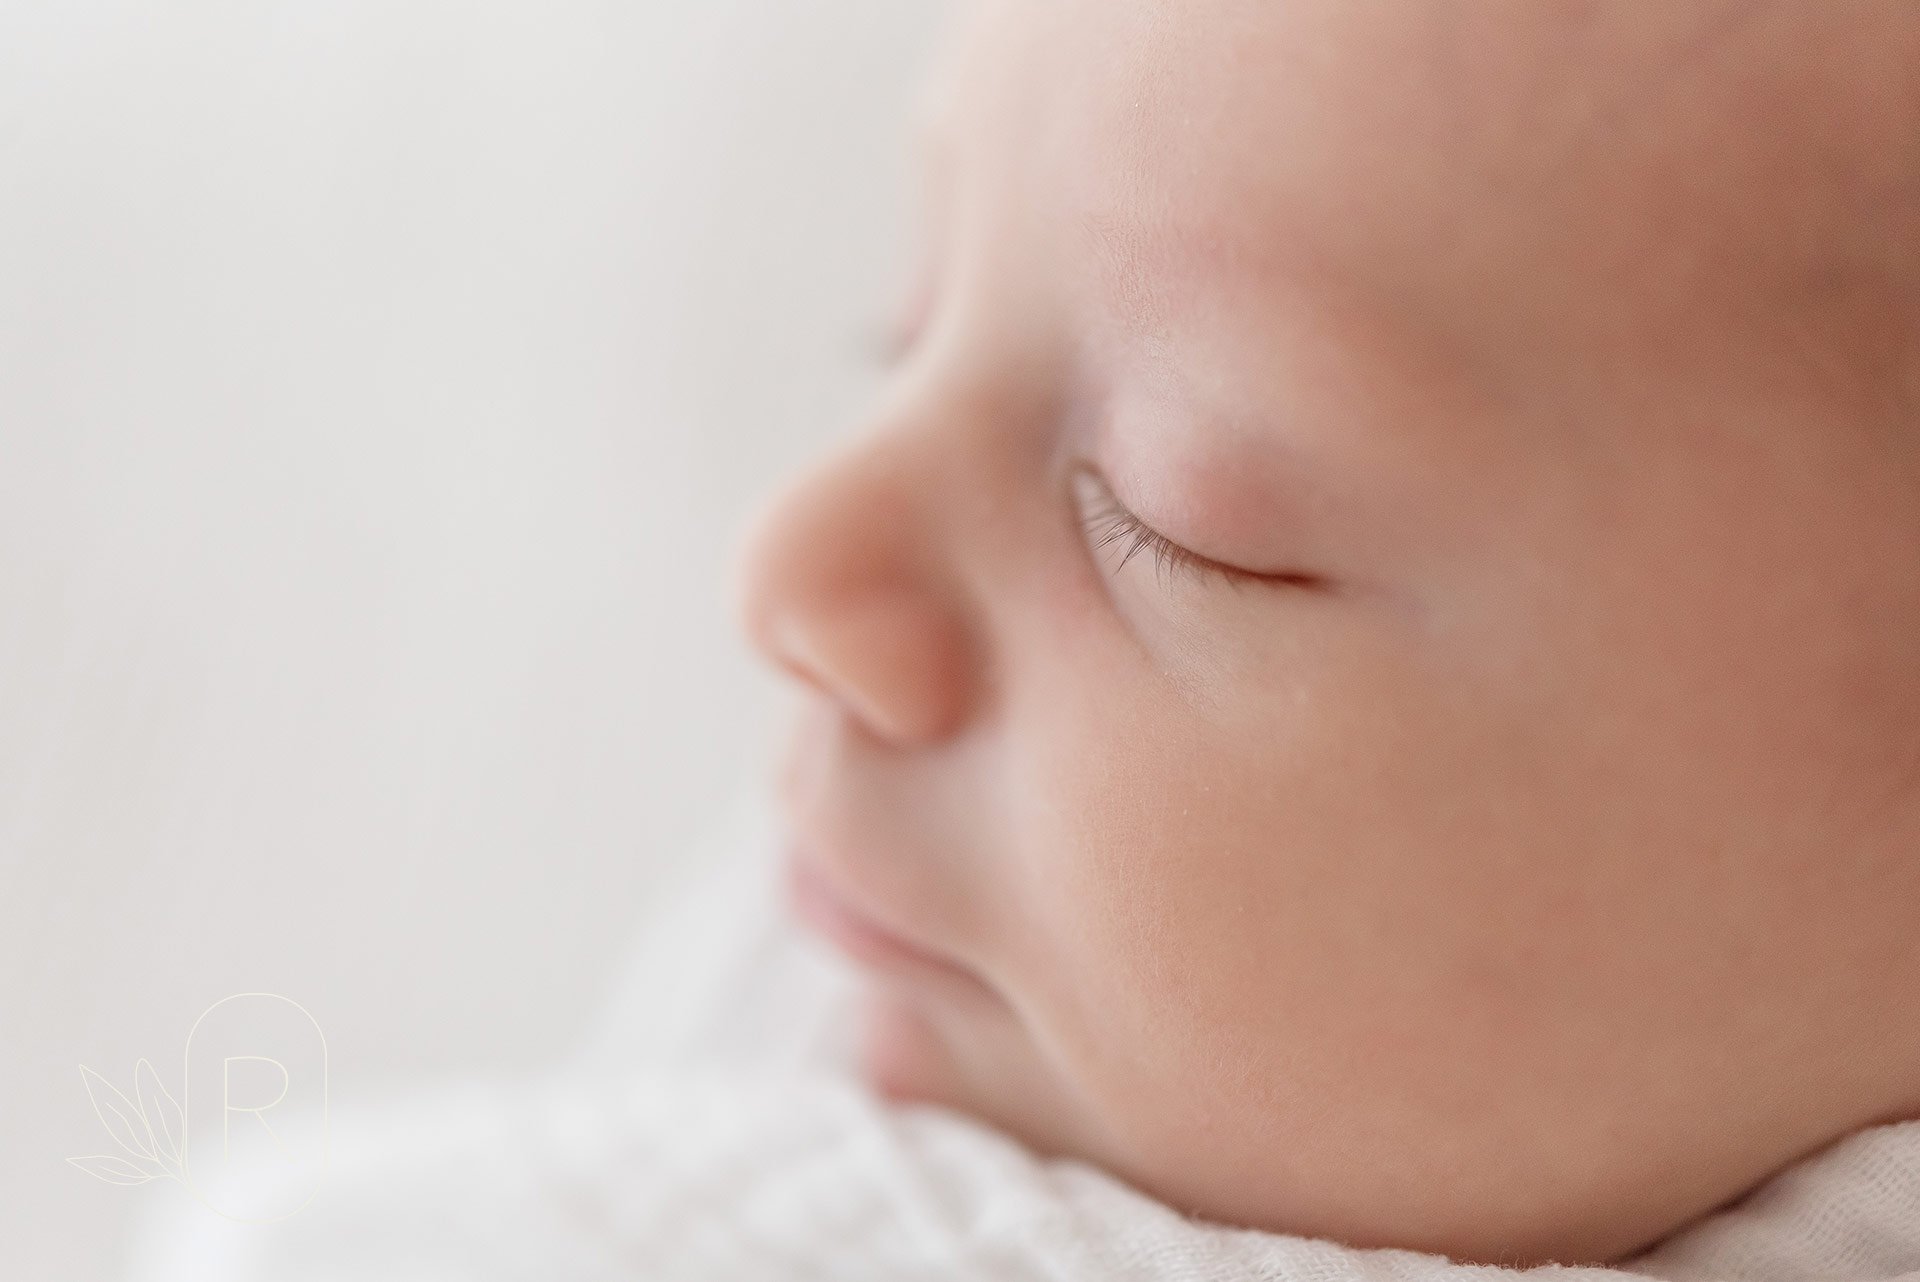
[821, 906]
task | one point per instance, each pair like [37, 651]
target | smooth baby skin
[1519, 856]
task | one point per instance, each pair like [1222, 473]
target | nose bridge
[850, 583]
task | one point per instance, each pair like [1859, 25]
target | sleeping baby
[1364, 676]
[1362, 698]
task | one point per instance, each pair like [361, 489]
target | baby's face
[1487, 822]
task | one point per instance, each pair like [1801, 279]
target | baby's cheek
[1170, 903]
[1257, 941]
[1180, 987]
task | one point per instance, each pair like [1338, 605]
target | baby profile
[1363, 674]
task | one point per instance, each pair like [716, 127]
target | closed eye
[1109, 524]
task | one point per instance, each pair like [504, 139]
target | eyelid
[1107, 520]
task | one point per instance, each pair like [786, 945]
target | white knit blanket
[705, 1132]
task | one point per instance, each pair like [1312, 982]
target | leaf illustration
[120, 1115]
[114, 1170]
[165, 1125]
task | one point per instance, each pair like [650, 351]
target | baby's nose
[844, 586]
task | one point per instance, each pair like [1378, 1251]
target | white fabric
[704, 1132]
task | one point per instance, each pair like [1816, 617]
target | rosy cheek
[1143, 867]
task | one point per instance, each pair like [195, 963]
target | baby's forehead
[1748, 152]
[1508, 77]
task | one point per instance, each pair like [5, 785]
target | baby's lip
[828, 907]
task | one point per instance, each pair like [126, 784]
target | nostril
[886, 662]
[784, 644]
[838, 589]
[781, 643]
[765, 582]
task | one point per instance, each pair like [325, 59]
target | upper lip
[823, 880]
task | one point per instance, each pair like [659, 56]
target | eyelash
[1106, 521]
[888, 345]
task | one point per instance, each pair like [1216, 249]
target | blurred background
[384, 390]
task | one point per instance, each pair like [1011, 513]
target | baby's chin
[921, 1051]
[907, 1056]
[901, 1054]
[971, 1059]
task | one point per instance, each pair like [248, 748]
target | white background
[384, 388]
